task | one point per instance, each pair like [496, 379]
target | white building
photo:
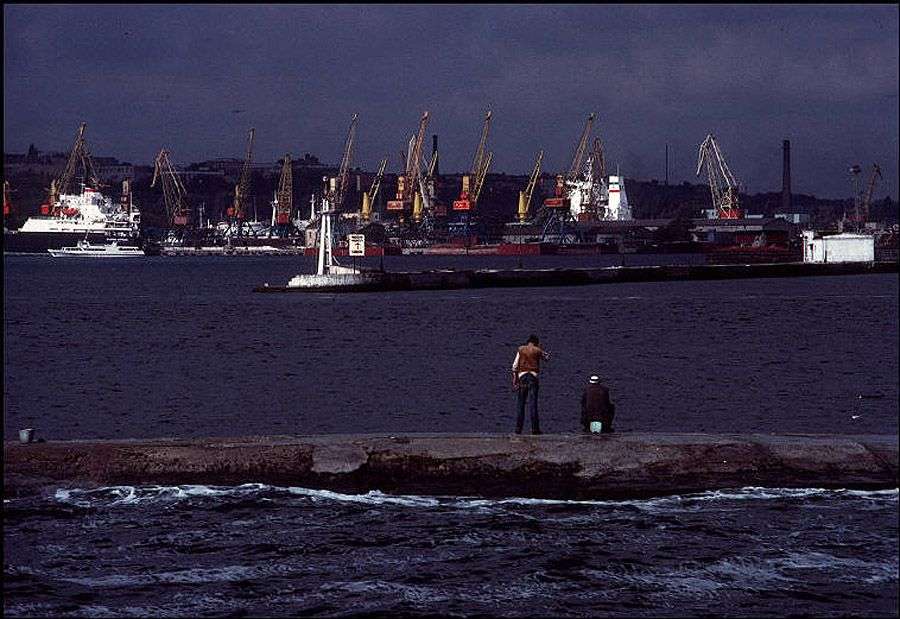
[844, 247]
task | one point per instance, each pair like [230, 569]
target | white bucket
[26, 435]
[596, 427]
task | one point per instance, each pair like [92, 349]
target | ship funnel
[619, 209]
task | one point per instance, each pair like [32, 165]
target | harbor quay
[552, 466]
[448, 279]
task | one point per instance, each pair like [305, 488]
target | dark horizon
[195, 78]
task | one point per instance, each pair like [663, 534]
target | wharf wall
[498, 278]
[560, 466]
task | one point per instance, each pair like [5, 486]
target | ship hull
[40, 242]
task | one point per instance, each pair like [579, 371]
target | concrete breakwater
[560, 466]
[500, 278]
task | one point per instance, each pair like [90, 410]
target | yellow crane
[408, 194]
[238, 209]
[525, 196]
[369, 197]
[174, 193]
[473, 182]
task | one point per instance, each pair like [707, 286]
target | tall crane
[284, 197]
[474, 181]
[580, 150]
[369, 197]
[525, 196]
[560, 199]
[598, 161]
[174, 193]
[237, 212]
[7, 202]
[408, 195]
[340, 185]
[863, 215]
[722, 184]
[62, 184]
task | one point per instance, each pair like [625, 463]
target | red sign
[462, 205]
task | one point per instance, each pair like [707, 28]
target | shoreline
[551, 466]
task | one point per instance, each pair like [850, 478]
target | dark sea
[182, 347]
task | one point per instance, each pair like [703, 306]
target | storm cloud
[194, 78]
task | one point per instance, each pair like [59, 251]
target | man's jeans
[528, 384]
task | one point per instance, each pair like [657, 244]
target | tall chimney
[667, 165]
[434, 152]
[786, 178]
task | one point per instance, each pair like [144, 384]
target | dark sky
[194, 78]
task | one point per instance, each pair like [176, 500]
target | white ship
[89, 215]
[84, 249]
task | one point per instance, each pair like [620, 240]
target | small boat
[86, 249]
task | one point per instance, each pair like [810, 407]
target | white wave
[138, 495]
[374, 497]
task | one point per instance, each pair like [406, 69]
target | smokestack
[786, 178]
[434, 152]
[667, 165]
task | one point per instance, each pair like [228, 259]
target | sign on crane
[722, 185]
[174, 193]
[474, 181]
[525, 196]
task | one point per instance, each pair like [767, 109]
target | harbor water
[167, 347]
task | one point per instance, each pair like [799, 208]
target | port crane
[862, 212]
[722, 184]
[237, 212]
[525, 196]
[408, 192]
[174, 193]
[473, 182]
[598, 161]
[283, 205]
[338, 186]
[555, 217]
[62, 184]
[7, 202]
[369, 197]
[595, 191]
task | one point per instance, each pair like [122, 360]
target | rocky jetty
[567, 466]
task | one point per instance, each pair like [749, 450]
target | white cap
[594, 379]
